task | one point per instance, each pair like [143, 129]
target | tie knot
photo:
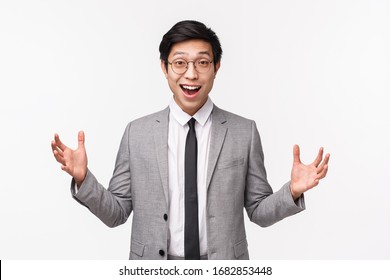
[191, 124]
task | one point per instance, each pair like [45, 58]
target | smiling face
[190, 89]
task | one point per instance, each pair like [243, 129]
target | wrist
[295, 195]
[79, 180]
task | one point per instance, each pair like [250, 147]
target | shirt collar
[201, 116]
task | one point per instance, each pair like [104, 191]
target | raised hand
[73, 162]
[304, 177]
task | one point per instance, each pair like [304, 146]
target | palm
[75, 161]
[305, 177]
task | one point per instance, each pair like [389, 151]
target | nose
[191, 72]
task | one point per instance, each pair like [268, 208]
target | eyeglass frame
[188, 62]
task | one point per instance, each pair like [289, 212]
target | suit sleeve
[262, 205]
[112, 206]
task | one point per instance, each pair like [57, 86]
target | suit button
[161, 252]
[165, 217]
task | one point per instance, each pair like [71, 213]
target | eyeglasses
[180, 66]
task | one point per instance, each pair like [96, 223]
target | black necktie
[191, 227]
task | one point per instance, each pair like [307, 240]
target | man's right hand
[73, 162]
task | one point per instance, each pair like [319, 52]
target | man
[188, 171]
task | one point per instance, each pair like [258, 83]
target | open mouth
[190, 90]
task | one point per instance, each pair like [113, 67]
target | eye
[203, 62]
[179, 63]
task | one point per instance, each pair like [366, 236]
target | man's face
[190, 89]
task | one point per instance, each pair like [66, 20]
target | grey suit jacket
[236, 178]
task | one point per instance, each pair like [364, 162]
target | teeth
[191, 87]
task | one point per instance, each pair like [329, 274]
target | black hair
[187, 30]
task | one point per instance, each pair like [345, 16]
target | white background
[315, 73]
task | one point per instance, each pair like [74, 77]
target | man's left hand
[305, 177]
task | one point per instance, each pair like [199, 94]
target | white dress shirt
[177, 134]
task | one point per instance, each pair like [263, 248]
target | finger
[325, 162]
[81, 138]
[327, 156]
[53, 145]
[65, 168]
[59, 158]
[296, 154]
[59, 143]
[320, 168]
[313, 184]
[322, 174]
[318, 159]
[55, 148]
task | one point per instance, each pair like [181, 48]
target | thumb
[81, 139]
[296, 154]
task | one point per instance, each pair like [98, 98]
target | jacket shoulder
[230, 117]
[151, 118]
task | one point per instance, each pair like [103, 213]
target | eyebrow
[185, 53]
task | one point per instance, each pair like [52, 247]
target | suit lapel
[161, 145]
[218, 133]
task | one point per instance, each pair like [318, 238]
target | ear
[217, 68]
[164, 68]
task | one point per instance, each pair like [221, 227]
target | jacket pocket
[240, 248]
[230, 163]
[137, 248]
